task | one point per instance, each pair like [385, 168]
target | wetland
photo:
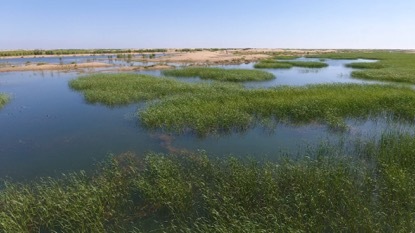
[238, 146]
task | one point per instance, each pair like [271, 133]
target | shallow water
[110, 59]
[48, 129]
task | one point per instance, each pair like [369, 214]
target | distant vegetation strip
[221, 107]
[233, 75]
[38, 52]
[369, 188]
[392, 66]
[3, 100]
[274, 64]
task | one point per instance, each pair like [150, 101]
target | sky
[337, 24]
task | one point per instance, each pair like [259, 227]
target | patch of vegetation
[285, 57]
[392, 66]
[365, 65]
[240, 109]
[121, 89]
[325, 191]
[307, 64]
[223, 107]
[232, 75]
[273, 64]
[4, 99]
[270, 64]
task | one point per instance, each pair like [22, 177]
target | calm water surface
[48, 129]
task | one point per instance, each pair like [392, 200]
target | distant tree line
[39, 52]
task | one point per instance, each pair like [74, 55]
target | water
[112, 59]
[48, 129]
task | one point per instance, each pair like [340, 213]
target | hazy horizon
[296, 24]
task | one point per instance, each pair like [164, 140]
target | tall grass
[3, 100]
[73, 203]
[217, 112]
[369, 189]
[285, 57]
[120, 89]
[365, 65]
[273, 64]
[223, 107]
[233, 75]
[392, 66]
[270, 64]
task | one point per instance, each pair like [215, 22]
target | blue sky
[51, 24]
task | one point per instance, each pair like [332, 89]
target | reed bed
[269, 64]
[368, 189]
[273, 64]
[233, 75]
[392, 66]
[121, 89]
[307, 64]
[285, 57]
[365, 65]
[216, 112]
[3, 100]
[217, 107]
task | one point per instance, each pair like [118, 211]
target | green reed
[217, 107]
[370, 188]
[392, 65]
[4, 99]
[239, 109]
[233, 75]
[119, 89]
[273, 64]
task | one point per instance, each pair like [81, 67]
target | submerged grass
[3, 100]
[220, 107]
[330, 193]
[233, 75]
[273, 64]
[392, 66]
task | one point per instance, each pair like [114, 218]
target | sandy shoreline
[175, 56]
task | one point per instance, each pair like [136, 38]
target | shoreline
[171, 57]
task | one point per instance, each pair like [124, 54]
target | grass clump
[273, 64]
[307, 64]
[285, 57]
[4, 99]
[324, 191]
[241, 109]
[73, 203]
[233, 75]
[120, 89]
[221, 107]
[392, 66]
[365, 65]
